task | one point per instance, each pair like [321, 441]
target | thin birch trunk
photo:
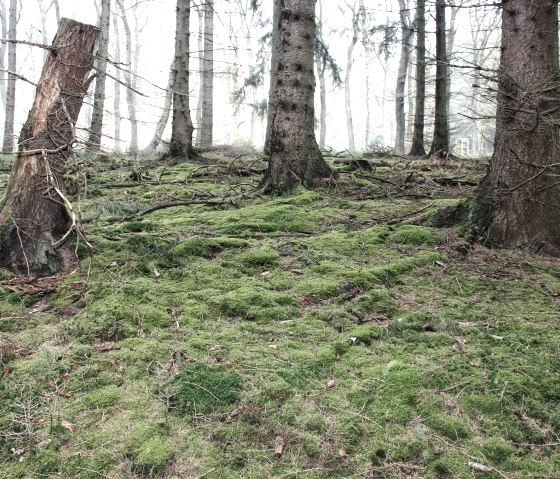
[117, 97]
[347, 90]
[204, 133]
[164, 117]
[8, 143]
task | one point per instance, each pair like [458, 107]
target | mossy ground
[376, 347]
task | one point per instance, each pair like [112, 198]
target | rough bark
[96, 127]
[417, 148]
[8, 143]
[182, 127]
[406, 41]
[347, 90]
[164, 117]
[274, 61]
[35, 217]
[519, 199]
[205, 129]
[440, 142]
[295, 156]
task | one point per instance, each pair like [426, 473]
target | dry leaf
[266, 273]
[17, 453]
[279, 444]
[480, 467]
[296, 271]
[498, 338]
[331, 384]
[68, 426]
[474, 365]
[342, 454]
[5, 372]
[64, 394]
[272, 346]
[157, 273]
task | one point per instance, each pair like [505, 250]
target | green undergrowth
[200, 334]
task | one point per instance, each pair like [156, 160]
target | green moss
[202, 389]
[413, 235]
[448, 426]
[497, 450]
[256, 304]
[207, 247]
[153, 456]
[102, 398]
[265, 256]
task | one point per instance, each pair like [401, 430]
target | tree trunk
[295, 156]
[54, 3]
[406, 37]
[200, 11]
[35, 217]
[347, 91]
[321, 67]
[417, 148]
[4, 33]
[164, 118]
[410, 82]
[440, 142]
[8, 143]
[449, 47]
[96, 127]
[205, 129]
[182, 127]
[274, 62]
[117, 97]
[519, 199]
[130, 95]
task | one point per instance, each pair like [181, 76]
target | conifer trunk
[417, 148]
[35, 217]
[8, 142]
[519, 199]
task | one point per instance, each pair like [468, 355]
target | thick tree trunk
[417, 148]
[519, 199]
[8, 143]
[96, 127]
[164, 117]
[35, 217]
[205, 129]
[295, 156]
[406, 37]
[347, 90]
[182, 127]
[274, 62]
[440, 142]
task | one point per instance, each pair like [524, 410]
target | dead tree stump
[35, 216]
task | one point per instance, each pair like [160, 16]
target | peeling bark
[35, 217]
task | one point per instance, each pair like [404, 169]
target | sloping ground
[325, 335]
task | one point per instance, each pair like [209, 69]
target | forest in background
[206, 310]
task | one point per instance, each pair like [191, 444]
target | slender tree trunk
[204, 132]
[440, 143]
[35, 216]
[406, 40]
[200, 11]
[96, 127]
[54, 3]
[417, 148]
[164, 117]
[8, 143]
[274, 62]
[44, 34]
[295, 156]
[117, 97]
[450, 45]
[519, 199]
[347, 91]
[410, 94]
[4, 33]
[182, 127]
[128, 79]
[321, 67]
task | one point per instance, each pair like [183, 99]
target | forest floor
[345, 332]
